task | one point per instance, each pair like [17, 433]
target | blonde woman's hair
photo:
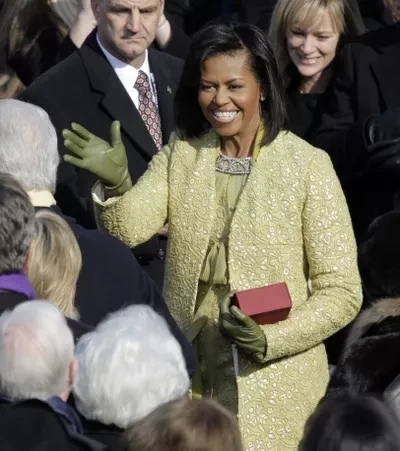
[306, 15]
[184, 425]
[55, 262]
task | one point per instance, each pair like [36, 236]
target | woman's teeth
[225, 116]
[309, 60]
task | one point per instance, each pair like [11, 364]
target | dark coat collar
[95, 427]
[10, 299]
[57, 210]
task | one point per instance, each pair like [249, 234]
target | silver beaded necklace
[233, 165]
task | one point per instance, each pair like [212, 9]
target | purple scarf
[17, 283]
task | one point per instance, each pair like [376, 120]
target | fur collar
[379, 311]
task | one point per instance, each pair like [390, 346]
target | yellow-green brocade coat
[291, 224]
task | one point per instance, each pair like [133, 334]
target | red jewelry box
[265, 305]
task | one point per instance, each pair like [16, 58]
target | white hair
[129, 365]
[36, 350]
[28, 145]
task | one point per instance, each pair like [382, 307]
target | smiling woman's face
[313, 50]
[229, 95]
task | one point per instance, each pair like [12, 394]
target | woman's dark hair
[347, 421]
[230, 39]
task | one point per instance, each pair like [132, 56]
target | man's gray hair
[17, 225]
[28, 145]
[129, 365]
[36, 350]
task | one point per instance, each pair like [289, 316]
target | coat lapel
[166, 89]
[115, 101]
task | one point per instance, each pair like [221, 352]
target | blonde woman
[307, 35]
[55, 262]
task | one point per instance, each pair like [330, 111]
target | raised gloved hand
[107, 161]
[242, 330]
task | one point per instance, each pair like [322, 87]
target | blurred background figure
[184, 425]
[369, 363]
[380, 13]
[307, 36]
[37, 34]
[129, 365]
[378, 259]
[352, 422]
[55, 262]
[369, 360]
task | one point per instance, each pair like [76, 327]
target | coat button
[161, 254]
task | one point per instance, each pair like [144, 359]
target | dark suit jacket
[110, 435]
[33, 425]
[367, 83]
[85, 89]
[111, 278]
[10, 299]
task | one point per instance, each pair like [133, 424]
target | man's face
[127, 27]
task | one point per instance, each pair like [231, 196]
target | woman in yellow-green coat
[247, 204]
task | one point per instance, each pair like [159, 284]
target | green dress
[215, 365]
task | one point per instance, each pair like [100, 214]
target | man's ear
[96, 8]
[28, 258]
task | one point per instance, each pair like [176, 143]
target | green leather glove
[107, 161]
[242, 330]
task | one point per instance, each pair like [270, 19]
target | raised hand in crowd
[83, 23]
[108, 162]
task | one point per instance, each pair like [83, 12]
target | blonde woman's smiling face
[312, 50]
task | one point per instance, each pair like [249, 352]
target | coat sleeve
[332, 260]
[142, 211]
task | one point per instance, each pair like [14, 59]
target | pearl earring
[262, 98]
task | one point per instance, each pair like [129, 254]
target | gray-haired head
[36, 351]
[28, 145]
[17, 225]
[128, 366]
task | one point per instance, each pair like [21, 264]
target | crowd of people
[160, 158]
